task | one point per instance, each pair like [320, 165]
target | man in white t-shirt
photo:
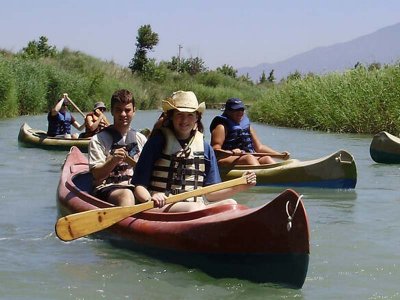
[114, 151]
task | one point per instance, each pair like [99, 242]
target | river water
[355, 234]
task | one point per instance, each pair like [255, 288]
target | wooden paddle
[104, 117]
[75, 106]
[225, 153]
[80, 224]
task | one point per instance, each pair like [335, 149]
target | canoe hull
[287, 269]
[38, 139]
[385, 148]
[337, 170]
[224, 241]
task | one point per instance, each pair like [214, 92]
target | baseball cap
[234, 104]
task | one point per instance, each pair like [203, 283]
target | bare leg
[184, 207]
[222, 202]
[266, 160]
[121, 197]
[239, 160]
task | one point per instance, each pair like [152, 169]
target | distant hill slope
[382, 46]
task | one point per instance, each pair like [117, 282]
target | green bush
[8, 90]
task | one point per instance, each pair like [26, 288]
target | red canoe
[269, 243]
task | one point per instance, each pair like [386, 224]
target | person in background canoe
[234, 139]
[177, 159]
[60, 120]
[114, 151]
[95, 121]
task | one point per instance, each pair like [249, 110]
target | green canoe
[38, 138]
[337, 170]
[385, 148]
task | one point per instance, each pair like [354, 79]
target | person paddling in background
[234, 139]
[114, 151]
[95, 121]
[60, 120]
[177, 159]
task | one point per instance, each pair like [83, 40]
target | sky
[233, 32]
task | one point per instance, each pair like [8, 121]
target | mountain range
[381, 46]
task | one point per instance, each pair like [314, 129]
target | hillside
[382, 46]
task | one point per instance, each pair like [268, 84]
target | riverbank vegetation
[361, 100]
[365, 99]
[31, 85]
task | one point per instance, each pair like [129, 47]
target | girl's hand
[236, 151]
[287, 155]
[159, 199]
[251, 177]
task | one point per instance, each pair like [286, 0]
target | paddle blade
[84, 223]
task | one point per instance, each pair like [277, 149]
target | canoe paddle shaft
[75, 106]
[80, 224]
[225, 153]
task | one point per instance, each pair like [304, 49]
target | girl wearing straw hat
[176, 159]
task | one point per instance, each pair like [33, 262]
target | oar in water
[225, 153]
[80, 224]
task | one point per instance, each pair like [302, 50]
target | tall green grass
[357, 101]
[8, 90]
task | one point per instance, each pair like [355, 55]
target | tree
[195, 65]
[263, 78]
[227, 70]
[294, 76]
[146, 40]
[271, 77]
[358, 65]
[246, 78]
[374, 66]
[37, 49]
[175, 64]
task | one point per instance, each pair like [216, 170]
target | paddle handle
[81, 224]
[277, 155]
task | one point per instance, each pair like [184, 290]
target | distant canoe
[337, 170]
[39, 138]
[268, 243]
[385, 148]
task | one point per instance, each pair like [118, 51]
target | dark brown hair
[122, 96]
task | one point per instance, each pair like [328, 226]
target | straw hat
[184, 102]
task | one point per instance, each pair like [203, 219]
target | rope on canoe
[290, 217]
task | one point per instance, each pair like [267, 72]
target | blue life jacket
[59, 124]
[237, 134]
